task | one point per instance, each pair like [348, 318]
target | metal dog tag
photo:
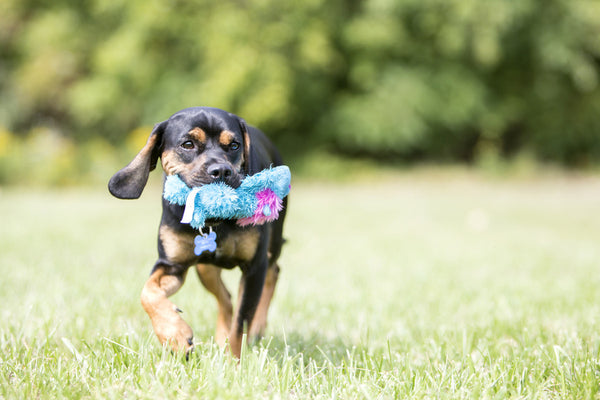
[205, 242]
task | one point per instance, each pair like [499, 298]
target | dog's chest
[238, 245]
[233, 247]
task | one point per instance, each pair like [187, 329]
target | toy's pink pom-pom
[267, 209]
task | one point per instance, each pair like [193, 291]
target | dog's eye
[234, 146]
[188, 145]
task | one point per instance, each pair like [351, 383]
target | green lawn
[414, 286]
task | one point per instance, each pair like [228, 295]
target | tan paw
[174, 332]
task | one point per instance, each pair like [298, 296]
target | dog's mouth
[194, 181]
[197, 180]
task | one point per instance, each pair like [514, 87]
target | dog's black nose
[220, 171]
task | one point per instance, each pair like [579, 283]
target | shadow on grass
[311, 347]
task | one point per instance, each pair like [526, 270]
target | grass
[415, 285]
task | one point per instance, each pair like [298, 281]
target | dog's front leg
[251, 287]
[170, 328]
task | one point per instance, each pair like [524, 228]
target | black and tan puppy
[203, 145]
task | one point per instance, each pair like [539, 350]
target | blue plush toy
[257, 200]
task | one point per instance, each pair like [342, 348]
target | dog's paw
[175, 333]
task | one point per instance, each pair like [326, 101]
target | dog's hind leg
[259, 323]
[210, 276]
[170, 328]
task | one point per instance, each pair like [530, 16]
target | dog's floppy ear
[247, 155]
[130, 181]
[259, 153]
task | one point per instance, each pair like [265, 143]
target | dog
[204, 145]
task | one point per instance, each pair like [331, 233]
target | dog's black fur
[204, 145]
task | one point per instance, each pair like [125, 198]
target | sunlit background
[400, 81]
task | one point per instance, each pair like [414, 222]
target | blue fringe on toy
[256, 201]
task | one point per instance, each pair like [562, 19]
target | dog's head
[201, 145]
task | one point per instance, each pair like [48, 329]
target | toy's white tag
[188, 213]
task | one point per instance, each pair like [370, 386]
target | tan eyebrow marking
[198, 134]
[226, 138]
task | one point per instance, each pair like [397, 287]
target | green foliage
[47, 158]
[450, 75]
[433, 79]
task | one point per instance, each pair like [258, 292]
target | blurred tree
[437, 79]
